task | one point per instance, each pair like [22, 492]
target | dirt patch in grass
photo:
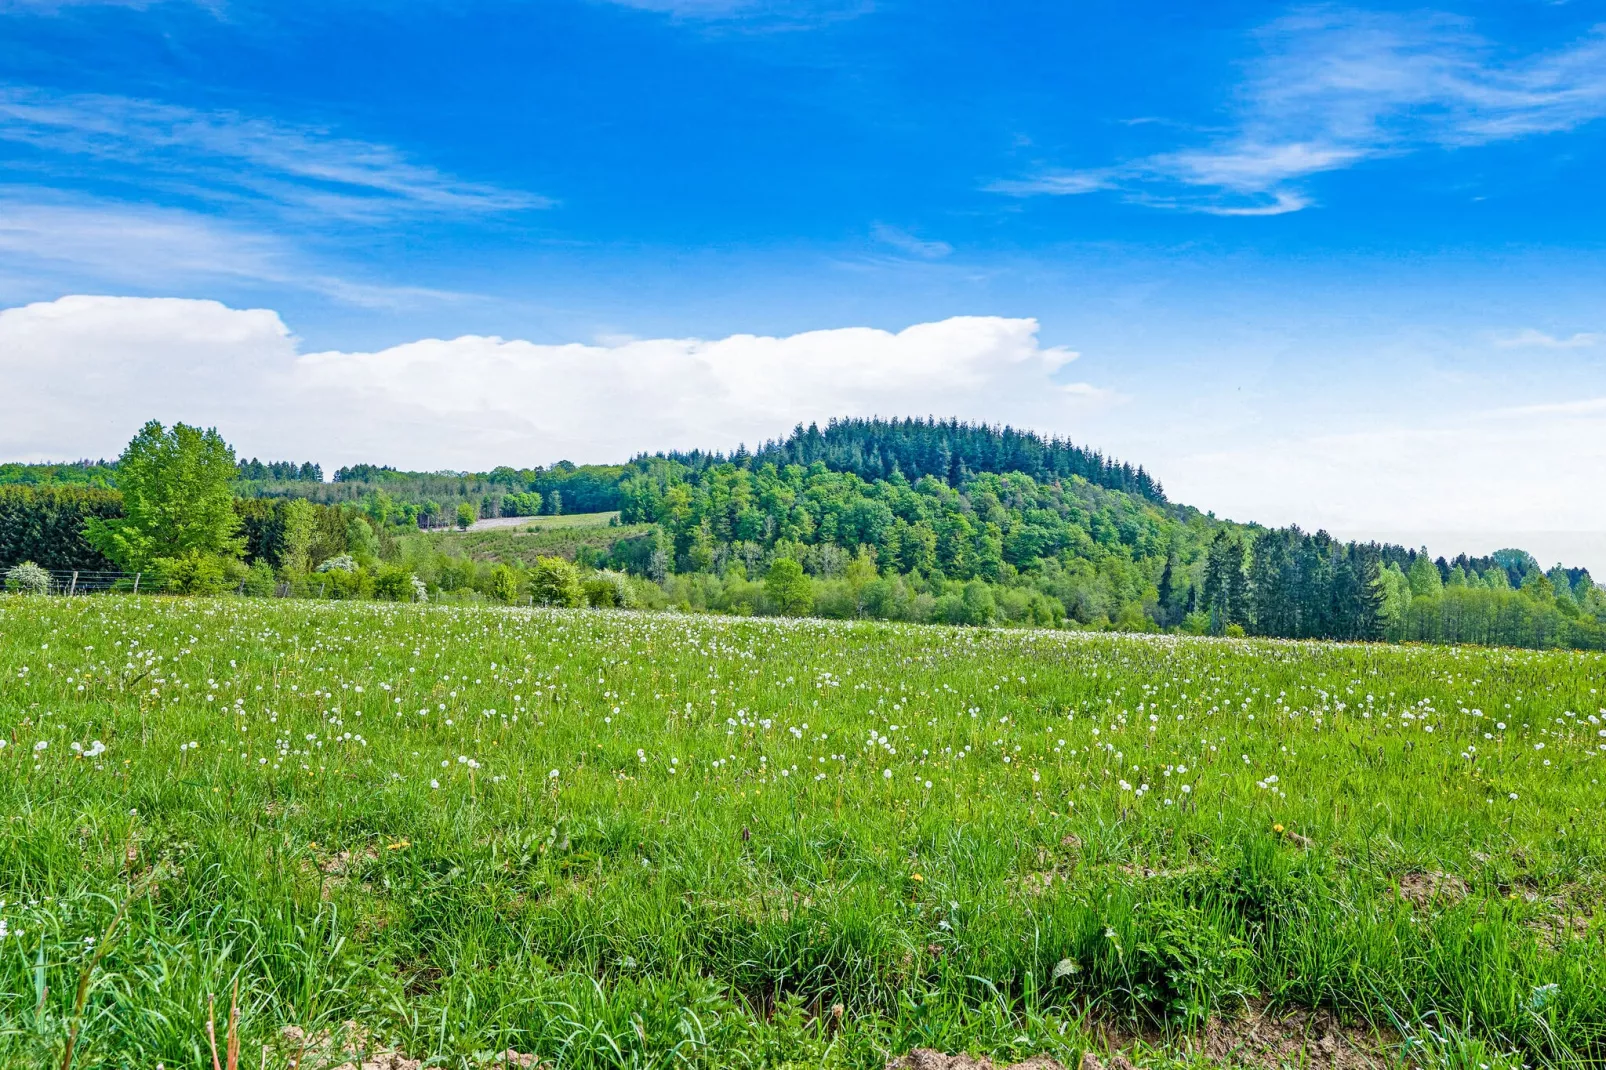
[1566, 919]
[1270, 1039]
[1259, 1039]
[350, 1047]
[346, 1048]
[927, 1059]
[341, 863]
[1424, 888]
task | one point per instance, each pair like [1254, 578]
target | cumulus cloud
[1336, 87]
[87, 371]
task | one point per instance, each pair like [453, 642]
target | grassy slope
[543, 536]
[627, 878]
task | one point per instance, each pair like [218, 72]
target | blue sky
[1334, 265]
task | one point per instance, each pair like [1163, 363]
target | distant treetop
[362, 473]
[281, 471]
[950, 450]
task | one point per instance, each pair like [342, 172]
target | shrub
[504, 584]
[27, 578]
[199, 573]
[260, 581]
[456, 573]
[341, 583]
[607, 589]
[835, 599]
[556, 582]
[465, 516]
[393, 583]
[342, 563]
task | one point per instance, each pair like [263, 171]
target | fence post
[136, 581]
[74, 588]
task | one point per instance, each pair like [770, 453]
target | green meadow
[639, 840]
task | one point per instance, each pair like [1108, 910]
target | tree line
[745, 535]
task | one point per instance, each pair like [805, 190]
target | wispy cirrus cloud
[760, 14]
[1530, 338]
[121, 245]
[1335, 88]
[906, 242]
[226, 156]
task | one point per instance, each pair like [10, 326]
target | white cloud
[80, 371]
[227, 156]
[1530, 338]
[902, 240]
[1532, 467]
[1337, 87]
[88, 370]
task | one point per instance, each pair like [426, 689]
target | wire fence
[70, 582]
[66, 583]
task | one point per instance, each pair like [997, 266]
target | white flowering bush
[341, 563]
[27, 578]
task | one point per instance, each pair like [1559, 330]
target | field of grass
[649, 840]
[569, 520]
[541, 536]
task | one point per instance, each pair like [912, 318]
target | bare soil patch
[1291, 1038]
[352, 1048]
[1424, 888]
[1258, 1039]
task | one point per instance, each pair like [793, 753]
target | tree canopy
[178, 499]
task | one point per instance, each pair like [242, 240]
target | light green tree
[295, 540]
[788, 589]
[178, 500]
[1395, 589]
[1424, 577]
[361, 542]
[465, 515]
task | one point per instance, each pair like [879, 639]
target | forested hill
[949, 450]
